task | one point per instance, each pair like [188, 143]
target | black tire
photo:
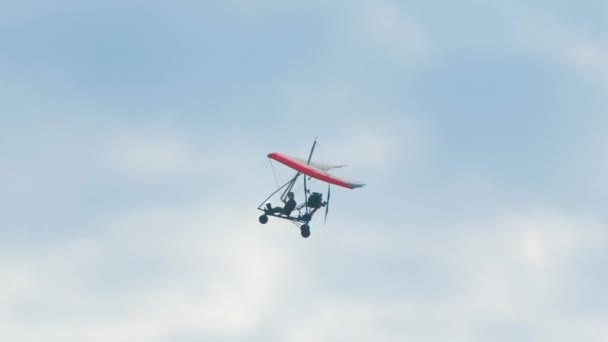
[305, 231]
[263, 219]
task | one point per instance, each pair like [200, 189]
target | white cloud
[516, 268]
[225, 272]
[401, 141]
[151, 156]
[330, 321]
[15, 281]
[503, 276]
[400, 36]
[153, 274]
[161, 151]
[576, 48]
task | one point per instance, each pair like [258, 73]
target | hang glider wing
[315, 170]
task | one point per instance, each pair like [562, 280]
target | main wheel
[263, 219]
[305, 231]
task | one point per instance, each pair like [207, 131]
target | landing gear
[305, 231]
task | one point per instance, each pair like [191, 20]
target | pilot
[290, 205]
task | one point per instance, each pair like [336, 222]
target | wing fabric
[321, 166]
[313, 171]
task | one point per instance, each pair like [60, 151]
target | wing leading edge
[309, 170]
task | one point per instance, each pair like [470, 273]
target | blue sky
[133, 143]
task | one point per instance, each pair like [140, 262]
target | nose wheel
[305, 230]
[263, 219]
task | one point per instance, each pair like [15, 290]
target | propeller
[327, 204]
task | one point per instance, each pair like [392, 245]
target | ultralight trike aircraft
[312, 201]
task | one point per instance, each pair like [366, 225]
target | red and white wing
[315, 170]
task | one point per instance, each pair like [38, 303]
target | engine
[315, 200]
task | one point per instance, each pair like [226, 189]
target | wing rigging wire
[276, 180]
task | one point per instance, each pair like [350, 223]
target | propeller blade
[327, 205]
